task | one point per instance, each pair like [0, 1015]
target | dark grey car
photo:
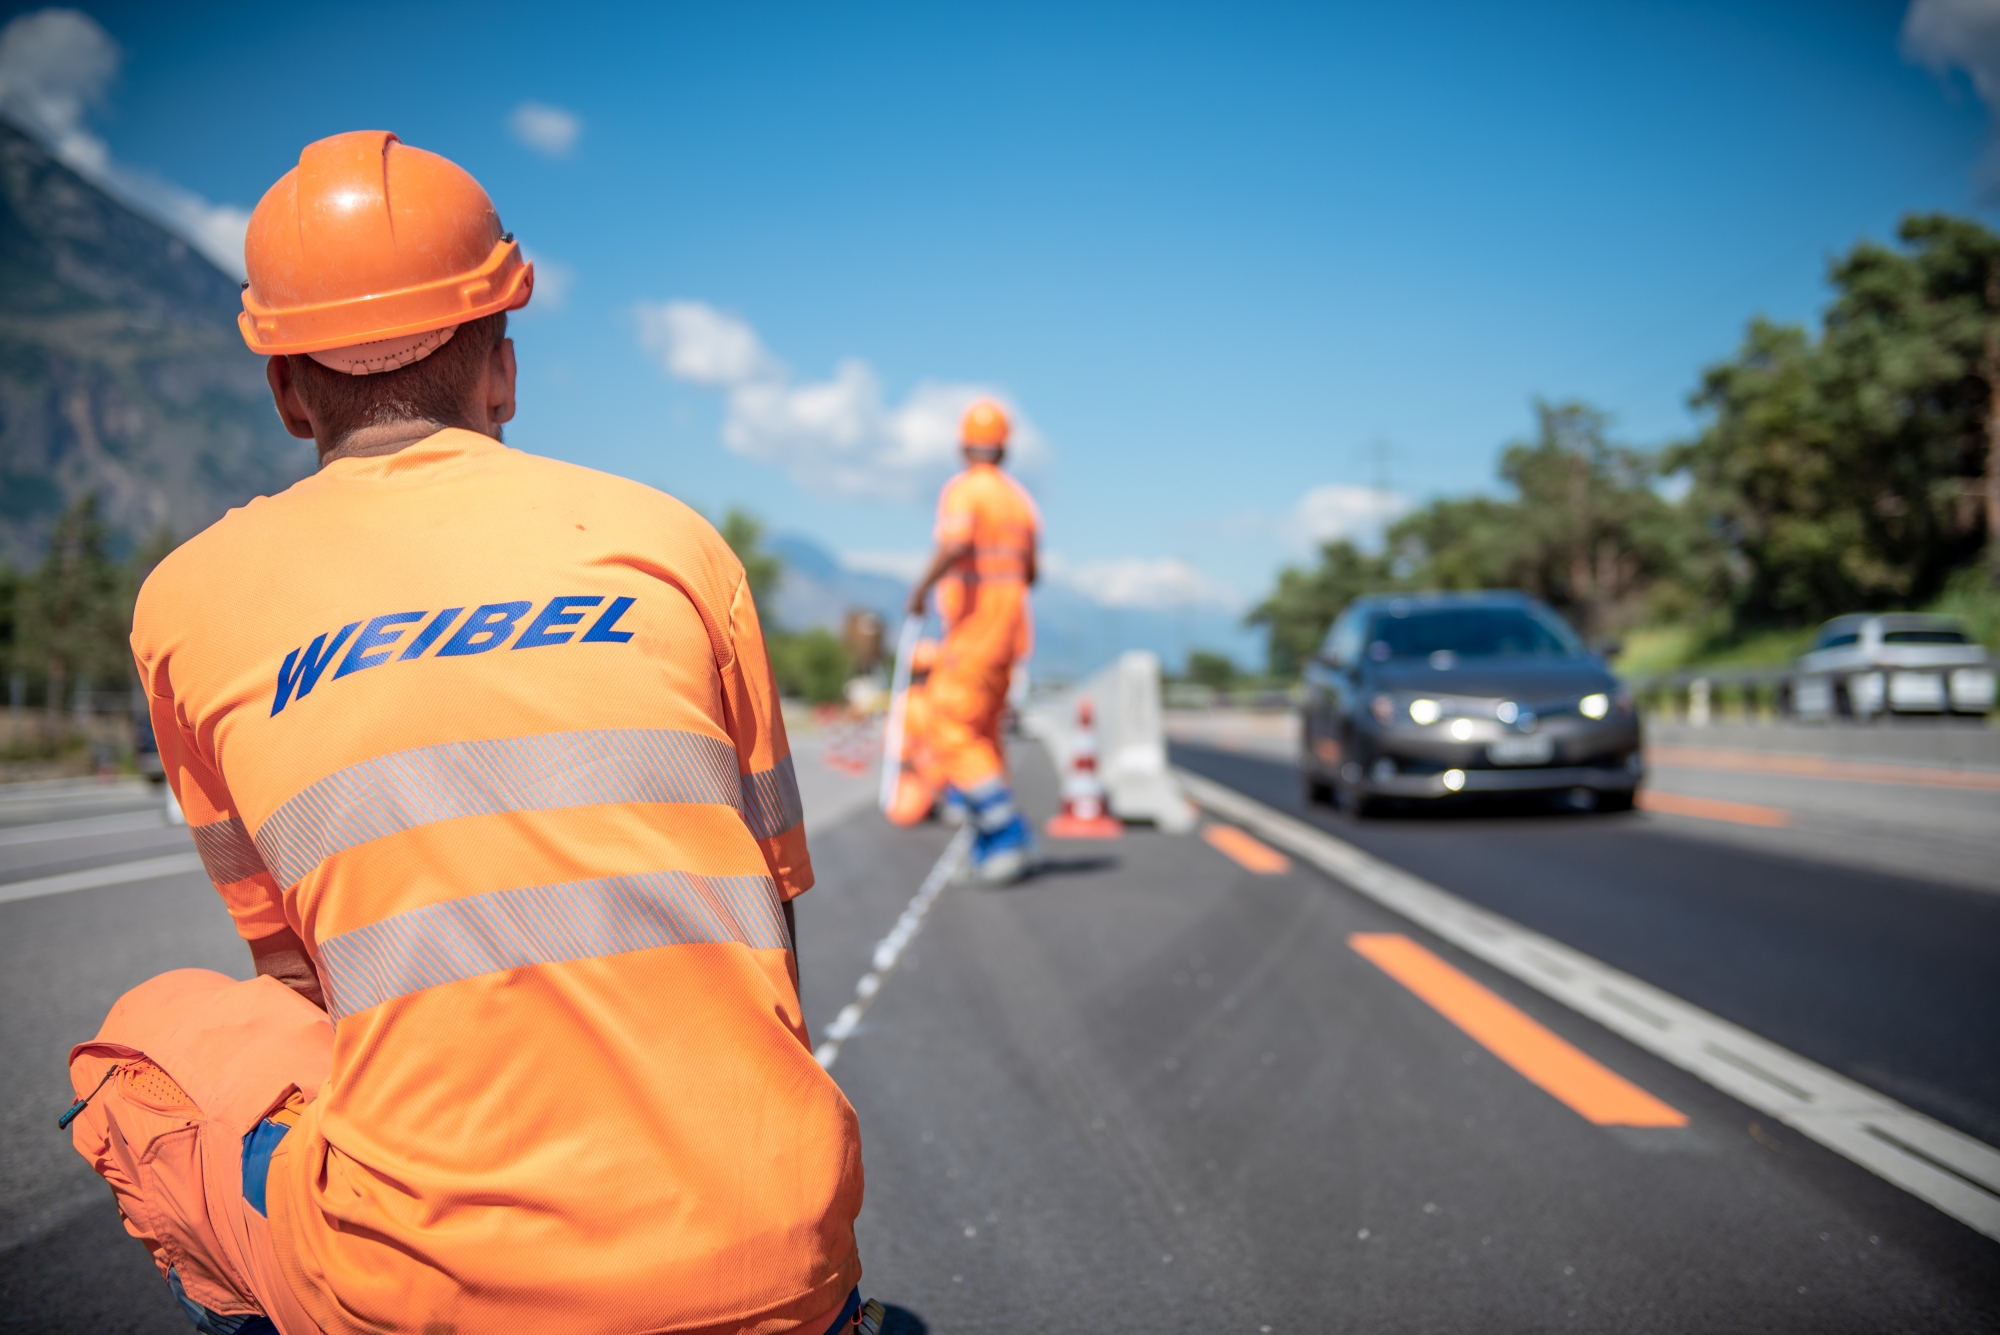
[1431, 695]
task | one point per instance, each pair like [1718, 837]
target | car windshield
[1471, 632]
[1934, 636]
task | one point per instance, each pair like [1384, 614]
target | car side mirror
[1608, 648]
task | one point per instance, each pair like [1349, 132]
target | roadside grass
[1652, 650]
[1971, 597]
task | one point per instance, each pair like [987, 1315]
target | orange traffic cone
[1083, 814]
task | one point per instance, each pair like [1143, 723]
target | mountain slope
[121, 371]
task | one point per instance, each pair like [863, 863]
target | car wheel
[1616, 801]
[1316, 790]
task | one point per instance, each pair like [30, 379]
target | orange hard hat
[984, 425]
[369, 241]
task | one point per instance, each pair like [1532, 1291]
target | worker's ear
[285, 396]
[499, 386]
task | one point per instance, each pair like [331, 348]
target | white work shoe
[1004, 867]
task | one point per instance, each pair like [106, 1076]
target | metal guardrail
[1703, 696]
[1187, 695]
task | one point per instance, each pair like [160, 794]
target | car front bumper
[1534, 779]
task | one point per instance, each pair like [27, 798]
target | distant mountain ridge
[121, 370]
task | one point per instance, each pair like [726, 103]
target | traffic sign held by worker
[493, 780]
[988, 532]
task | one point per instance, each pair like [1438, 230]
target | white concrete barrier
[1131, 741]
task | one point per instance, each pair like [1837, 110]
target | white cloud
[905, 566]
[1336, 513]
[547, 130]
[839, 435]
[1161, 582]
[55, 67]
[700, 344]
[1943, 34]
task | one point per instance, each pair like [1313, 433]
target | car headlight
[1594, 706]
[1425, 711]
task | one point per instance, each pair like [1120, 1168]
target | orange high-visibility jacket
[985, 507]
[497, 737]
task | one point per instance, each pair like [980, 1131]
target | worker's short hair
[432, 390]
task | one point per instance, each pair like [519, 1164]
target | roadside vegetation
[1847, 469]
[64, 652]
[810, 664]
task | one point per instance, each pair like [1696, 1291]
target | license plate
[1521, 750]
[1916, 690]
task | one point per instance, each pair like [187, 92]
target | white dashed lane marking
[891, 947]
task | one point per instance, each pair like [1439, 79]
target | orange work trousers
[918, 783]
[185, 1065]
[968, 687]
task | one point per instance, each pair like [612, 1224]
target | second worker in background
[987, 531]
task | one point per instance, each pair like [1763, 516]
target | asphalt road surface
[1153, 1090]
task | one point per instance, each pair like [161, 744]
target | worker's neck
[388, 438]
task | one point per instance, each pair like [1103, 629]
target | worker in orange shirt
[483, 753]
[987, 532]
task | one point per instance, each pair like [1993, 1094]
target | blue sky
[1238, 265]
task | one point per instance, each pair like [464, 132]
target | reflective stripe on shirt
[227, 852]
[545, 924]
[771, 800]
[408, 789]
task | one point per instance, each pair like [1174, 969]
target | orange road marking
[1820, 767]
[1234, 844]
[1713, 808]
[1595, 1092]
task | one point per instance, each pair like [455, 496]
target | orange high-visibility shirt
[497, 737]
[986, 508]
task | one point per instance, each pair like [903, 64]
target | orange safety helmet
[370, 241]
[984, 426]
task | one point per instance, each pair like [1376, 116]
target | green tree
[1588, 533]
[809, 665]
[75, 611]
[10, 615]
[744, 533]
[1859, 468]
[1217, 671]
[1298, 611]
[1585, 529]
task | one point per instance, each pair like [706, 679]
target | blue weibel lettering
[563, 611]
[487, 628]
[600, 631]
[429, 634]
[288, 677]
[306, 675]
[373, 636]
